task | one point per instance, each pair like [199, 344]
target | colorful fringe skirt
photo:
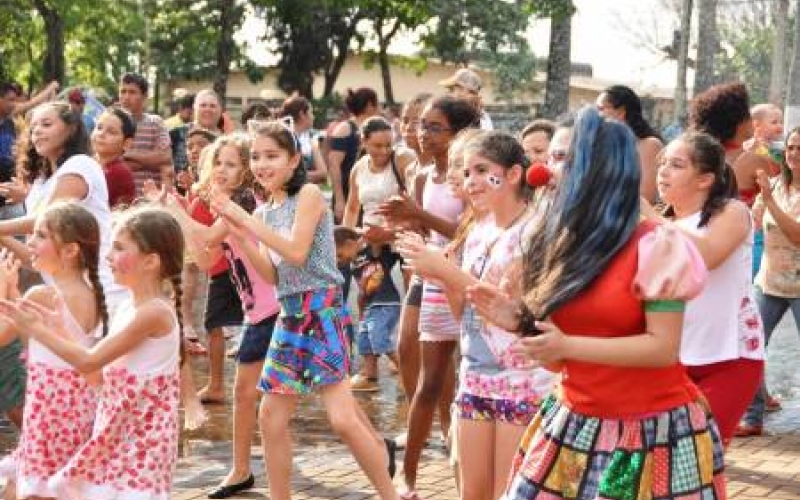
[676, 454]
[309, 346]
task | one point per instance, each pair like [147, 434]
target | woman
[722, 344]
[344, 144]
[625, 407]
[777, 287]
[299, 109]
[622, 103]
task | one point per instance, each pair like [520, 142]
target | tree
[777, 81]
[556, 89]
[707, 45]
[792, 118]
[54, 65]
[682, 56]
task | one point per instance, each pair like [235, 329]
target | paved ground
[757, 468]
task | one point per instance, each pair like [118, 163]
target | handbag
[670, 266]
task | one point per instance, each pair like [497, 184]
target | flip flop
[195, 348]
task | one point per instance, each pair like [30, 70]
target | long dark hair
[31, 164]
[620, 96]
[786, 172]
[594, 213]
[708, 157]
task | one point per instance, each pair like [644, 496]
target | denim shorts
[376, 331]
[255, 340]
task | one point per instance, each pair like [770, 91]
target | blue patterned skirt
[309, 346]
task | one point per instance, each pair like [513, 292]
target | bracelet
[527, 321]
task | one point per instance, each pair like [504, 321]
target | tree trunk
[556, 89]
[680, 116]
[792, 115]
[707, 45]
[334, 68]
[53, 64]
[777, 81]
[383, 56]
[225, 49]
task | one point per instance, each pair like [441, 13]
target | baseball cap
[210, 135]
[76, 96]
[465, 78]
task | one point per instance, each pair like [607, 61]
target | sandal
[195, 348]
[410, 495]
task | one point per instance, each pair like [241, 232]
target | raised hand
[423, 259]
[494, 306]
[9, 274]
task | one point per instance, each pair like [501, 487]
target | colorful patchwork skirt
[676, 454]
[309, 346]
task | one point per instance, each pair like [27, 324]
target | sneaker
[746, 430]
[400, 440]
[773, 404]
[360, 383]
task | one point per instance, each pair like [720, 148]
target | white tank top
[374, 188]
[38, 353]
[154, 356]
[722, 323]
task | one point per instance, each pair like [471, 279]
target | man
[466, 84]
[77, 102]
[150, 156]
[178, 126]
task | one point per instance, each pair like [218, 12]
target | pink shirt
[258, 297]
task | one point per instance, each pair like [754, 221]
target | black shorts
[255, 340]
[414, 293]
[223, 307]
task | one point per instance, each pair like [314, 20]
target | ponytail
[177, 297]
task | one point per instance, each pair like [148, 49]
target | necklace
[490, 247]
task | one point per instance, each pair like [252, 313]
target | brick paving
[757, 468]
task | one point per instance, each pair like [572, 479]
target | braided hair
[70, 222]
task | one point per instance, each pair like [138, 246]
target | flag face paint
[494, 181]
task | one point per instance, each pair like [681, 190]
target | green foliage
[748, 58]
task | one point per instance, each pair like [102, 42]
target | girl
[376, 177]
[625, 414]
[111, 136]
[133, 446]
[442, 119]
[622, 103]
[57, 167]
[777, 288]
[60, 401]
[723, 341]
[223, 306]
[299, 109]
[309, 349]
[497, 395]
[231, 176]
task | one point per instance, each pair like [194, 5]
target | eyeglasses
[433, 129]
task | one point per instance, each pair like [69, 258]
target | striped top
[151, 135]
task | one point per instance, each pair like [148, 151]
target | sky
[611, 35]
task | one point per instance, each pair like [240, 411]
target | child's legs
[506, 443]
[381, 328]
[215, 389]
[436, 361]
[369, 368]
[476, 461]
[245, 396]
[190, 287]
[715, 382]
[358, 435]
[10, 491]
[276, 411]
[408, 348]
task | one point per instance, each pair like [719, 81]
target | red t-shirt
[202, 214]
[608, 308]
[121, 186]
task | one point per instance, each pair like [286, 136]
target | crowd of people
[586, 307]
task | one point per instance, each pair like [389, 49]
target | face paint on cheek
[124, 262]
[494, 181]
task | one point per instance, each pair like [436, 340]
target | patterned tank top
[319, 270]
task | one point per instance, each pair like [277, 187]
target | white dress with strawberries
[58, 416]
[132, 450]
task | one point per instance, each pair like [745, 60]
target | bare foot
[209, 396]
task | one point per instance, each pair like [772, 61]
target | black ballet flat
[231, 489]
